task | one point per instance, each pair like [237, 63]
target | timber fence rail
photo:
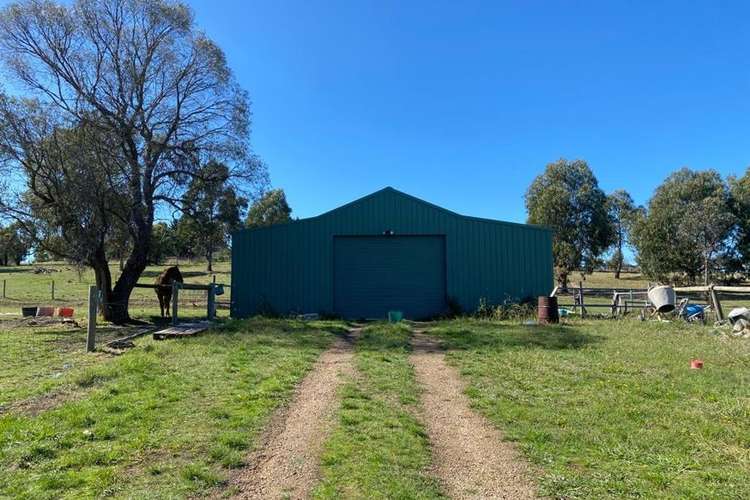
[95, 302]
[623, 300]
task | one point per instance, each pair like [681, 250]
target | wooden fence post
[175, 299]
[212, 301]
[580, 294]
[52, 288]
[93, 307]
[615, 299]
[716, 304]
[4, 288]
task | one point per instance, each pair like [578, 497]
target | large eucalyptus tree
[156, 91]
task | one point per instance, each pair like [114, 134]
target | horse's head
[170, 275]
[174, 273]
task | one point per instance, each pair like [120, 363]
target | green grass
[600, 279]
[379, 449]
[35, 361]
[167, 419]
[610, 409]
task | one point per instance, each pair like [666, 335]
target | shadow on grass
[10, 270]
[500, 336]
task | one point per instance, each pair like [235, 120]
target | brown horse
[164, 288]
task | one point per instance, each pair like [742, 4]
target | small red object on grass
[65, 312]
[696, 364]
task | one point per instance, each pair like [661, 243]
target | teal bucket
[395, 316]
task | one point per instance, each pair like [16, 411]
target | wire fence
[15, 294]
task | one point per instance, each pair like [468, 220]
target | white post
[93, 306]
[175, 299]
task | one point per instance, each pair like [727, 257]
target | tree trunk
[705, 269]
[618, 263]
[210, 258]
[115, 299]
[619, 259]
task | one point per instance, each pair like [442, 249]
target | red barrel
[547, 310]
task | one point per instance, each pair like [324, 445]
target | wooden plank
[132, 336]
[184, 286]
[732, 289]
[685, 289]
[186, 330]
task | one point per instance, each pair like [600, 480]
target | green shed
[384, 252]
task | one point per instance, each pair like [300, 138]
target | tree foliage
[739, 188]
[213, 210]
[14, 245]
[687, 228]
[271, 208]
[567, 199]
[622, 213]
[138, 74]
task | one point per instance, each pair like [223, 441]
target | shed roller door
[377, 274]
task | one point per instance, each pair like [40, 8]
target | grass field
[611, 409]
[379, 449]
[168, 419]
[603, 408]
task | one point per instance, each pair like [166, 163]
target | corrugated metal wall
[288, 268]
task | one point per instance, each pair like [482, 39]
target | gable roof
[391, 190]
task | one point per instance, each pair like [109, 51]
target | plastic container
[65, 312]
[395, 316]
[696, 364]
[28, 311]
[45, 311]
[663, 298]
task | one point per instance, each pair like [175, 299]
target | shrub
[508, 310]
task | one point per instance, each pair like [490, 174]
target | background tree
[271, 208]
[163, 243]
[567, 199]
[14, 245]
[141, 74]
[739, 188]
[687, 228]
[71, 202]
[621, 211]
[213, 210]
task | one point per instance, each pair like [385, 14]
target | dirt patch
[34, 406]
[469, 455]
[286, 464]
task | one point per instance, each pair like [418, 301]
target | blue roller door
[377, 274]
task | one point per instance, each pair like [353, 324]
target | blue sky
[463, 103]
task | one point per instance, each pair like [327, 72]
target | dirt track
[286, 461]
[469, 455]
